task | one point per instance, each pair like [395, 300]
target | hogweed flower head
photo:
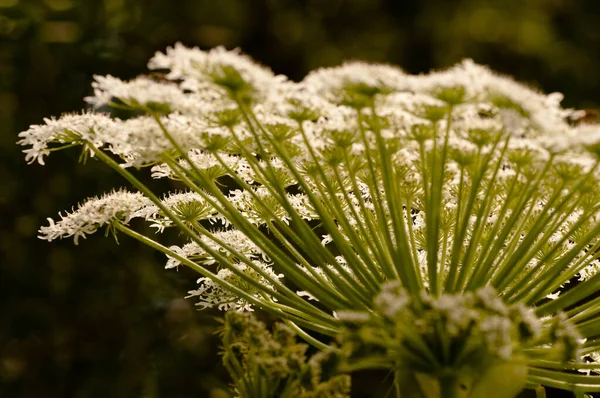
[361, 198]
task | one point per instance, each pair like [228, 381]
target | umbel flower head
[453, 215]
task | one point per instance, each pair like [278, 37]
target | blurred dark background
[101, 320]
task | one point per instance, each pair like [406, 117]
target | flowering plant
[429, 225]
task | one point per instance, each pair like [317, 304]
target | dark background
[101, 320]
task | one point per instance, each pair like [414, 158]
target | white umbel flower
[235, 239]
[328, 82]
[94, 127]
[196, 68]
[211, 294]
[95, 213]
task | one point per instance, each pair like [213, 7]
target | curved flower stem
[273, 308]
[307, 337]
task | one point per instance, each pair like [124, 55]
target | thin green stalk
[362, 266]
[564, 381]
[365, 267]
[378, 203]
[306, 238]
[462, 227]
[433, 214]
[584, 290]
[270, 307]
[544, 264]
[396, 213]
[248, 115]
[477, 280]
[307, 337]
[332, 299]
[482, 215]
[512, 259]
[560, 266]
[373, 269]
[380, 243]
[490, 264]
[411, 235]
[542, 221]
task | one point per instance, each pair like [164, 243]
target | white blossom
[196, 68]
[95, 213]
[211, 294]
[234, 239]
[328, 82]
[94, 127]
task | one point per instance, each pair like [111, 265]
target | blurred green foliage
[101, 320]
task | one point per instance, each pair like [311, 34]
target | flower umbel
[444, 213]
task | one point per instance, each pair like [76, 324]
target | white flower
[189, 207]
[234, 239]
[143, 141]
[196, 68]
[303, 293]
[211, 294]
[587, 134]
[119, 206]
[328, 82]
[203, 160]
[71, 128]
[481, 84]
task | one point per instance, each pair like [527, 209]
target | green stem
[449, 386]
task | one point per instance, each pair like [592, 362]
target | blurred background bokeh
[101, 320]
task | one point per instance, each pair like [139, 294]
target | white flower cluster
[119, 206]
[66, 130]
[234, 239]
[198, 69]
[357, 175]
[211, 294]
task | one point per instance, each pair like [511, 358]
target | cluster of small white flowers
[587, 134]
[144, 91]
[590, 270]
[202, 160]
[188, 206]
[474, 319]
[329, 82]
[234, 239]
[267, 208]
[392, 300]
[483, 85]
[95, 213]
[196, 69]
[93, 127]
[211, 294]
[144, 142]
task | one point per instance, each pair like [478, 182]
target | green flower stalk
[441, 226]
